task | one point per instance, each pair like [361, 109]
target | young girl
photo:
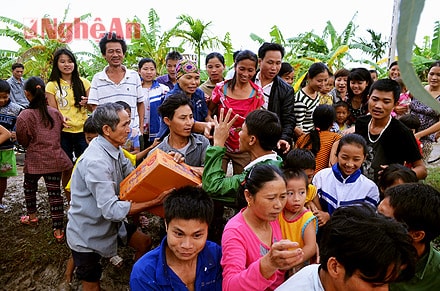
[344, 184]
[359, 83]
[67, 92]
[342, 111]
[287, 73]
[297, 222]
[402, 106]
[324, 95]
[321, 140]
[339, 92]
[306, 100]
[154, 92]
[242, 96]
[39, 130]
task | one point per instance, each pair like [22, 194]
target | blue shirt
[198, 102]
[151, 271]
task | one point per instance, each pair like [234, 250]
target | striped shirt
[303, 110]
[104, 90]
[153, 99]
[334, 190]
[327, 139]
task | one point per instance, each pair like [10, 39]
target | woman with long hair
[39, 131]
[67, 92]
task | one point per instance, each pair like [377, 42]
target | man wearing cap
[188, 81]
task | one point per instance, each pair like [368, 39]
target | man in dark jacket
[278, 95]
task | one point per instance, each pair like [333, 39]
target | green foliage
[410, 11]
[435, 45]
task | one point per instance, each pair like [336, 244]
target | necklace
[381, 132]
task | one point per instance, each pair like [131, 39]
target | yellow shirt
[66, 104]
[311, 193]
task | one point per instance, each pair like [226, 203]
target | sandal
[59, 238]
[25, 219]
[117, 261]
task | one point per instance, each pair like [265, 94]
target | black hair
[89, 127]
[359, 74]
[296, 173]
[112, 37]
[299, 158]
[270, 46]
[362, 240]
[256, 178]
[146, 60]
[314, 70]
[341, 104]
[418, 206]
[354, 139]
[411, 121]
[4, 86]
[17, 65]
[76, 83]
[434, 64]
[173, 55]
[323, 118]
[213, 55]
[395, 172]
[171, 103]
[265, 126]
[242, 55]
[387, 85]
[189, 202]
[36, 88]
[124, 104]
[393, 64]
[234, 55]
[286, 68]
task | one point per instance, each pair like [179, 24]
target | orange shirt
[327, 138]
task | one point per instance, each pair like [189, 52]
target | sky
[239, 18]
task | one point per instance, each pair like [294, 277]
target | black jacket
[281, 102]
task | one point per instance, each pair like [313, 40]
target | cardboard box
[157, 173]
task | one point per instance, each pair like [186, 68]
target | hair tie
[317, 129]
[38, 87]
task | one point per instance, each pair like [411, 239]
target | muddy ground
[30, 259]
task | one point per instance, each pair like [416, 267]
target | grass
[433, 179]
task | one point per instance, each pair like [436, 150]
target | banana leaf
[410, 11]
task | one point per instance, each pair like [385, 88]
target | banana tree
[153, 43]
[36, 52]
[410, 11]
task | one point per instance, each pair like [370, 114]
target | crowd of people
[324, 184]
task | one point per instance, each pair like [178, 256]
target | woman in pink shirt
[254, 255]
[242, 96]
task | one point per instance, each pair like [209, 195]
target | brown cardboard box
[157, 173]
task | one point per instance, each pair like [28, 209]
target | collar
[423, 263]
[108, 147]
[205, 261]
[273, 156]
[103, 74]
[350, 179]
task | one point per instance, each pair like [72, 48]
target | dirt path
[30, 259]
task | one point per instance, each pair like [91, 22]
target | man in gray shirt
[16, 82]
[96, 215]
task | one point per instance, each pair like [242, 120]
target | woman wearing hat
[188, 81]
